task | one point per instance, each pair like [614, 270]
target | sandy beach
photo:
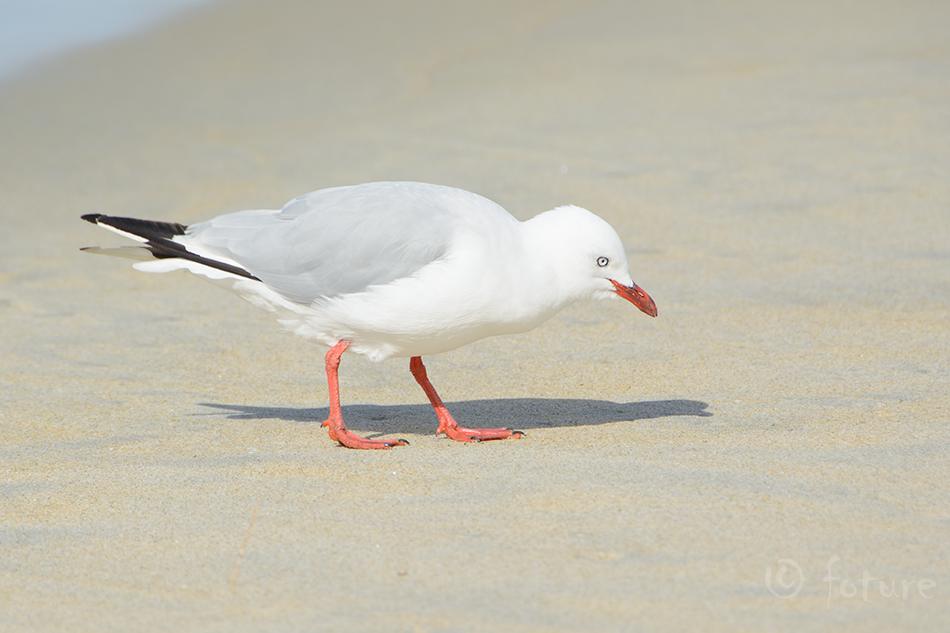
[769, 454]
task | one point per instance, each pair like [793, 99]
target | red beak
[635, 295]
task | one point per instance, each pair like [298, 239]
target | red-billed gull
[395, 269]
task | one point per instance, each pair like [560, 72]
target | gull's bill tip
[636, 295]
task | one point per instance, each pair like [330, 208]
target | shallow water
[33, 31]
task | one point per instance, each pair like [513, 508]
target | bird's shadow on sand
[518, 413]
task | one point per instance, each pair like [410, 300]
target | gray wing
[341, 240]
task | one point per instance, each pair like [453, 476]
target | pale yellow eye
[602, 261]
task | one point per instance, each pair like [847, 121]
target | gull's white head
[588, 257]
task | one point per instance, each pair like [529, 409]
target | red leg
[338, 431]
[447, 423]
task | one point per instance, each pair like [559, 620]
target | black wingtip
[159, 240]
[147, 229]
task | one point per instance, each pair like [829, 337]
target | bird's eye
[602, 261]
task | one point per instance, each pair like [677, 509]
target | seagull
[394, 269]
